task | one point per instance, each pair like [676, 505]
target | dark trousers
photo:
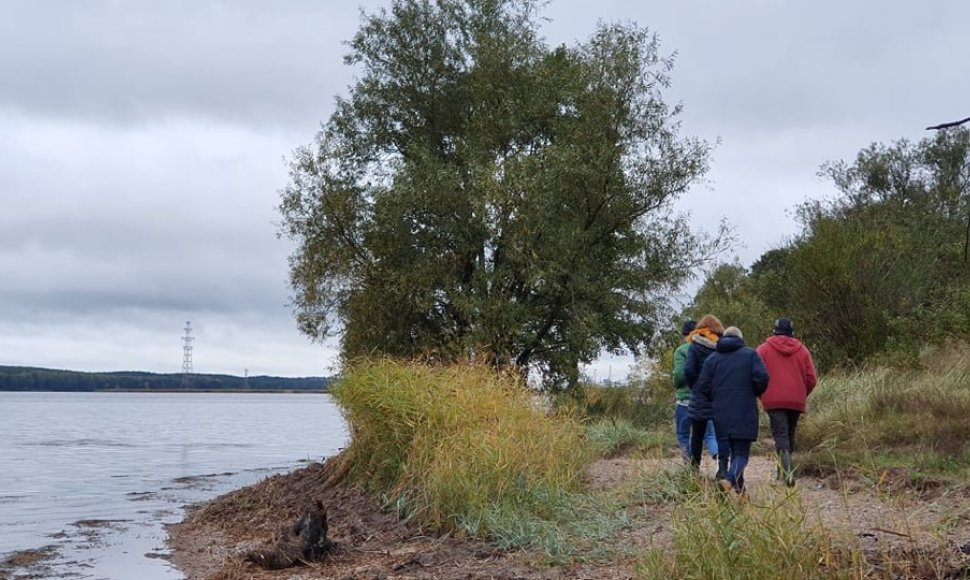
[783, 425]
[701, 432]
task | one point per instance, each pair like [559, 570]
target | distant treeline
[40, 379]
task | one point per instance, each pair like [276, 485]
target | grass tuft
[465, 449]
[641, 406]
[611, 437]
[716, 537]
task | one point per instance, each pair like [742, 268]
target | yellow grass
[457, 448]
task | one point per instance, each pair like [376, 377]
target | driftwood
[302, 542]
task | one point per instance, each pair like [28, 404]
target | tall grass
[715, 537]
[611, 437]
[463, 449]
[881, 418]
[643, 406]
[466, 450]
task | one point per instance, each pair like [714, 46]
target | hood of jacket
[785, 345]
[703, 336]
[730, 343]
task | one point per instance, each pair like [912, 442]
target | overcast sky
[142, 146]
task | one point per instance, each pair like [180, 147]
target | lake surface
[97, 475]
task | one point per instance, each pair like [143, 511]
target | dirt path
[890, 516]
[377, 545]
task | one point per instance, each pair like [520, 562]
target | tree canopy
[879, 269]
[481, 194]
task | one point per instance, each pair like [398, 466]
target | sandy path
[878, 519]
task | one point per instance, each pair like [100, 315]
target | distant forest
[41, 379]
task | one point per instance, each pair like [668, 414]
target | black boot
[722, 466]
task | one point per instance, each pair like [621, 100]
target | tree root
[303, 542]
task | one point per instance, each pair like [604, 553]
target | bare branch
[948, 125]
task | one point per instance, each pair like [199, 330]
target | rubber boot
[787, 471]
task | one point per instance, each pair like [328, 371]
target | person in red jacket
[793, 377]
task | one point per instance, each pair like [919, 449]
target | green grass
[610, 437]
[716, 537]
[467, 450]
[642, 406]
[880, 421]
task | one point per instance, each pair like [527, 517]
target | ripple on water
[98, 476]
[77, 443]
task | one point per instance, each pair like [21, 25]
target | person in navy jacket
[733, 377]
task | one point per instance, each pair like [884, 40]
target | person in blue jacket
[733, 377]
[702, 341]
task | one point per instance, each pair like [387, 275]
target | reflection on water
[97, 474]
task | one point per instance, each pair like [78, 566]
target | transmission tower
[187, 350]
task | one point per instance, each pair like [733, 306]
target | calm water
[96, 475]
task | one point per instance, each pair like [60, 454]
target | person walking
[732, 378]
[793, 377]
[682, 396]
[703, 340]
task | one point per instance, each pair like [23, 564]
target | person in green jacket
[681, 420]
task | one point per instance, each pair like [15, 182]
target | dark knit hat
[688, 327]
[783, 326]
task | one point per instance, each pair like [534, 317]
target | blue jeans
[702, 433]
[682, 426]
[740, 451]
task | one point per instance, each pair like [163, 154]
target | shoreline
[212, 539]
[370, 542]
[75, 460]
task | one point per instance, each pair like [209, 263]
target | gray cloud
[247, 62]
[757, 65]
[141, 149]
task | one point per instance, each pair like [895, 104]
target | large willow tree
[481, 194]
